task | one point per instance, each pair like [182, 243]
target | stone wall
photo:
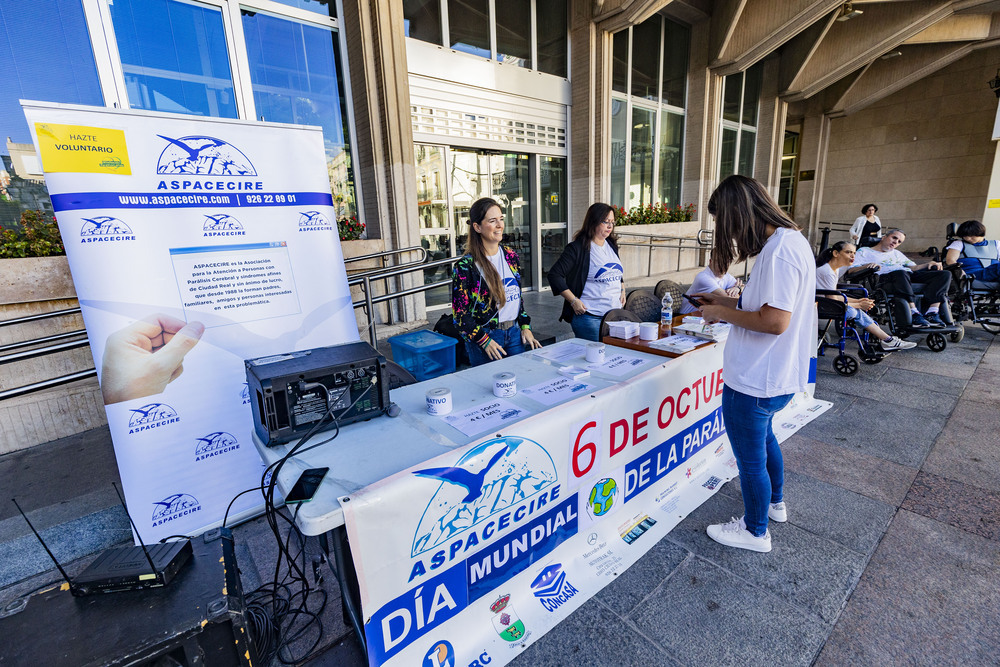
[924, 155]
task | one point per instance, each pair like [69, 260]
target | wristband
[525, 327]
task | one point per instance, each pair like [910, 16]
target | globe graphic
[602, 496]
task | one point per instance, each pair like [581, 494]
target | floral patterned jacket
[474, 312]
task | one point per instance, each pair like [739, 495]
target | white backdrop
[194, 244]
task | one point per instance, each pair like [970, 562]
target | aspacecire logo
[313, 221]
[203, 156]
[174, 507]
[215, 444]
[245, 394]
[153, 415]
[552, 588]
[481, 488]
[222, 224]
[609, 272]
[105, 229]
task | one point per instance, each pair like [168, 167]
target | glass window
[727, 162]
[671, 157]
[641, 183]
[469, 26]
[619, 127]
[551, 20]
[552, 173]
[676, 44]
[422, 20]
[57, 68]
[514, 32]
[748, 144]
[294, 69]
[732, 89]
[751, 95]
[646, 58]
[325, 7]
[174, 57]
[619, 66]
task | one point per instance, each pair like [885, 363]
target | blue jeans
[758, 457]
[587, 326]
[860, 316]
[508, 339]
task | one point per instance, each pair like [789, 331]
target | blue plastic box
[426, 354]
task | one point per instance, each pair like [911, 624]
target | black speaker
[197, 620]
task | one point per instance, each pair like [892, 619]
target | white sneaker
[777, 512]
[896, 343]
[735, 534]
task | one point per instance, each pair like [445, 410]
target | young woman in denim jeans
[486, 290]
[766, 359]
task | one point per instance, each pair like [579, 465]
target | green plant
[653, 214]
[36, 236]
[350, 228]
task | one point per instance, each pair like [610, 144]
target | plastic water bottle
[666, 314]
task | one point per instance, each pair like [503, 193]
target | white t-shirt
[890, 261]
[603, 289]
[512, 307]
[706, 281]
[827, 278]
[784, 277]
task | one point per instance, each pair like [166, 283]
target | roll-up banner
[194, 243]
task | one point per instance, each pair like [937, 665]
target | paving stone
[803, 568]
[970, 508]
[954, 361]
[842, 403]
[967, 449]
[851, 519]
[706, 615]
[929, 393]
[899, 434]
[928, 597]
[636, 583]
[940, 383]
[861, 473]
[592, 635]
[983, 391]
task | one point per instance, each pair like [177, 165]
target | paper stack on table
[623, 329]
[678, 343]
[716, 332]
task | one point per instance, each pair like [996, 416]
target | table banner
[194, 243]
[469, 558]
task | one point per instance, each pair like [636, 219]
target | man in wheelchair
[897, 273]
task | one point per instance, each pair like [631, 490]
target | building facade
[548, 105]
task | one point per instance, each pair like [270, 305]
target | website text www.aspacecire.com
[175, 199]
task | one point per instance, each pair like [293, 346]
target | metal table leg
[342, 565]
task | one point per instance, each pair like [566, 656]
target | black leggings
[936, 284]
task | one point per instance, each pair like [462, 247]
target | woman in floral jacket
[486, 290]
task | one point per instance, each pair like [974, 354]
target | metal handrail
[42, 351]
[654, 241]
[45, 339]
[47, 384]
[40, 316]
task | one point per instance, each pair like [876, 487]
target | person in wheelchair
[829, 265]
[897, 273]
[978, 257]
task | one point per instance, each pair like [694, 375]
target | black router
[124, 568]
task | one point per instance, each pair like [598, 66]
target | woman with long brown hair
[486, 290]
[589, 273]
[767, 355]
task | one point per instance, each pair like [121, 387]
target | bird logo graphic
[173, 504]
[221, 221]
[104, 225]
[151, 413]
[201, 155]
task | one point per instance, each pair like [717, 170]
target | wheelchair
[831, 305]
[973, 300]
[892, 313]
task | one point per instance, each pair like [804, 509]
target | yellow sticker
[994, 203]
[80, 149]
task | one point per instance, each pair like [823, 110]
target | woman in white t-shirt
[707, 281]
[767, 355]
[829, 265]
[589, 274]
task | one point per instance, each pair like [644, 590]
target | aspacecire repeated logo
[150, 416]
[313, 221]
[174, 507]
[222, 224]
[105, 229]
[214, 444]
[245, 394]
[552, 588]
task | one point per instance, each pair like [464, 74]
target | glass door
[436, 234]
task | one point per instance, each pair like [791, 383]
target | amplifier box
[291, 393]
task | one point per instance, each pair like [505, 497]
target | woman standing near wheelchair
[766, 358]
[828, 266]
[867, 228]
[589, 274]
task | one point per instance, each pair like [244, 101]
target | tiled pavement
[891, 554]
